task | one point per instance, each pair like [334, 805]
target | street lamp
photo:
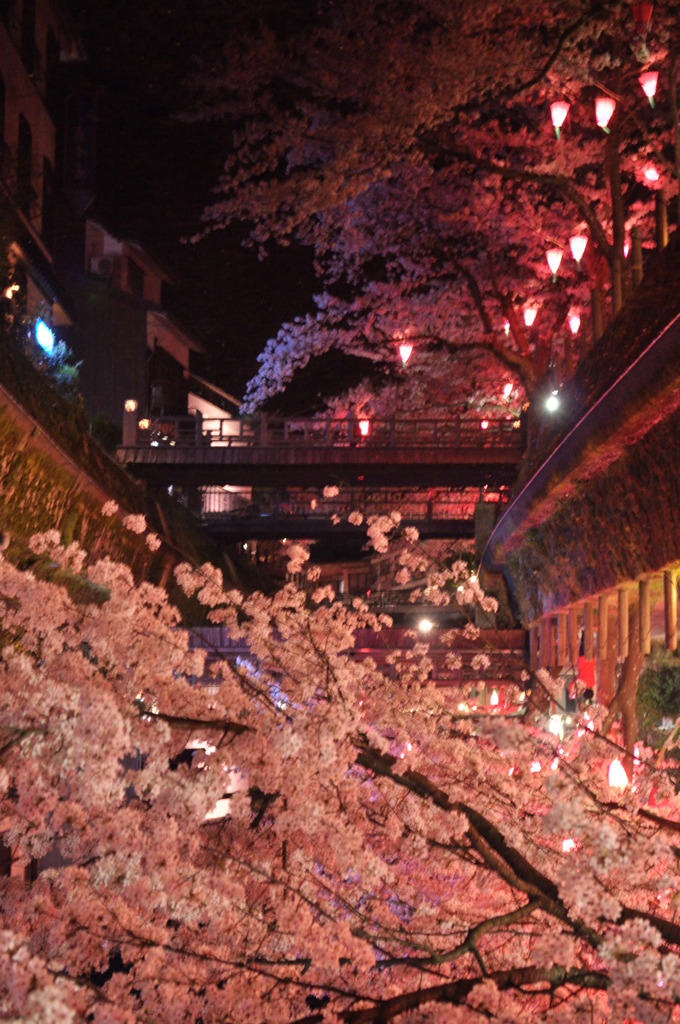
[554, 258]
[604, 110]
[577, 244]
[648, 82]
[405, 350]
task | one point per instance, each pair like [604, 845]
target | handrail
[329, 432]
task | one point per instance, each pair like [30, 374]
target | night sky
[155, 173]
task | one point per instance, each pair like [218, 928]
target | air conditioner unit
[102, 266]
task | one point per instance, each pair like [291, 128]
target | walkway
[271, 452]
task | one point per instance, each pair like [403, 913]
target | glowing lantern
[604, 109]
[648, 82]
[530, 314]
[558, 114]
[574, 323]
[507, 389]
[618, 779]
[650, 172]
[626, 249]
[554, 258]
[493, 699]
[364, 427]
[577, 244]
[642, 16]
[405, 351]
[506, 327]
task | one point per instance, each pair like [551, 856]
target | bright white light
[506, 326]
[648, 82]
[44, 335]
[558, 113]
[604, 109]
[574, 323]
[507, 389]
[364, 427]
[426, 625]
[555, 725]
[577, 244]
[493, 699]
[535, 767]
[568, 845]
[554, 258]
[618, 779]
[650, 172]
[530, 314]
[405, 351]
[552, 402]
[130, 404]
[484, 424]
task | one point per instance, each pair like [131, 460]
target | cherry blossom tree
[300, 836]
[411, 146]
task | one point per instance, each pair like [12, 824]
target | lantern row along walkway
[461, 451]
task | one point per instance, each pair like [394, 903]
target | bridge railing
[330, 432]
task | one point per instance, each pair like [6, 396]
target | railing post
[198, 428]
[130, 423]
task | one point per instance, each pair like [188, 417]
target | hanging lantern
[648, 82]
[364, 427]
[558, 114]
[554, 258]
[405, 351]
[604, 110]
[530, 314]
[574, 323]
[642, 16]
[577, 244]
[618, 778]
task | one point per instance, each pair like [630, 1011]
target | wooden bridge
[460, 451]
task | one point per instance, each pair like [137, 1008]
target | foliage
[659, 693]
[341, 845]
[411, 146]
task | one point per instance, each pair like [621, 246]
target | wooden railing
[328, 432]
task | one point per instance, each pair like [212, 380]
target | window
[28, 47]
[48, 205]
[24, 161]
[51, 71]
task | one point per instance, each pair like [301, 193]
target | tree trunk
[624, 703]
[618, 220]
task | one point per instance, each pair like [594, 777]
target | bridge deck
[459, 452]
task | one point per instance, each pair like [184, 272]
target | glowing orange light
[530, 314]
[618, 778]
[604, 110]
[648, 82]
[577, 244]
[558, 114]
